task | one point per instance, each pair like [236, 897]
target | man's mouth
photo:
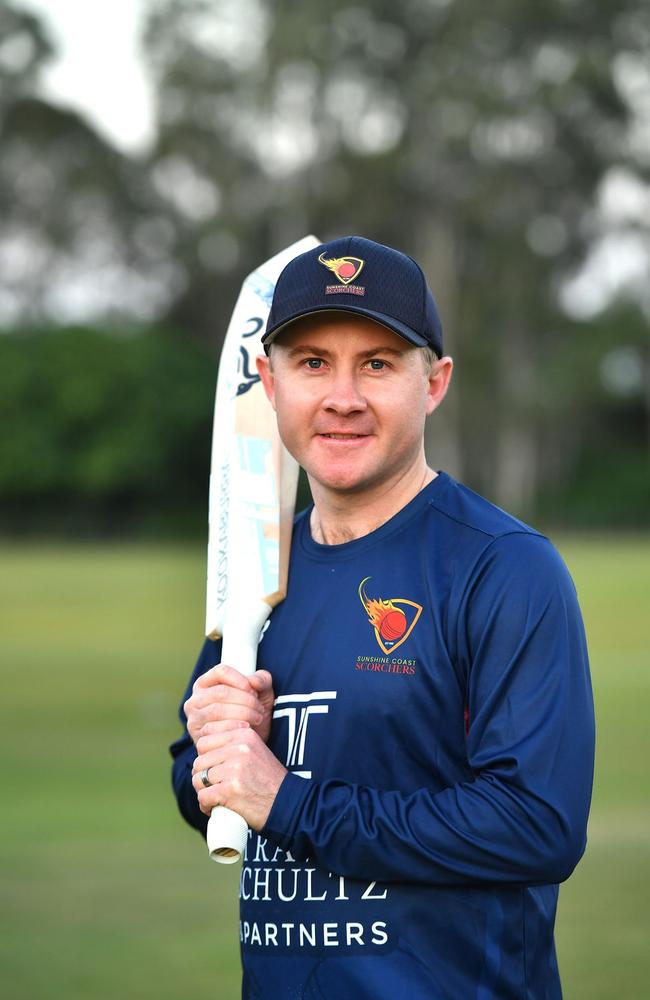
[343, 437]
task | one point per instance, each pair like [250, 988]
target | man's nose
[344, 394]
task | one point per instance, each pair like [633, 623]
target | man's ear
[439, 379]
[265, 372]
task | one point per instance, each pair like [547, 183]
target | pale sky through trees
[98, 69]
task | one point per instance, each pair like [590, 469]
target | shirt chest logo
[392, 619]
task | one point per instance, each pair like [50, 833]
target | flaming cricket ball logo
[345, 270]
[393, 620]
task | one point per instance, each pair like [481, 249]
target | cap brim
[416, 339]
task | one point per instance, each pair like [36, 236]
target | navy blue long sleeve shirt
[434, 711]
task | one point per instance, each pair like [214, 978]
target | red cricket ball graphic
[389, 620]
[346, 270]
[392, 624]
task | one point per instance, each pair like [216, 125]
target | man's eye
[376, 364]
[314, 363]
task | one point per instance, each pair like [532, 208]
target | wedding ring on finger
[203, 775]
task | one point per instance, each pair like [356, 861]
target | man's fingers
[210, 798]
[215, 748]
[219, 711]
[241, 773]
[210, 762]
[218, 747]
[261, 681]
[201, 698]
[221, 764]
[219, 703]
[215, 734]
[222, 674]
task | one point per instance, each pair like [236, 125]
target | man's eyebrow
[299, 349]
[396, 352]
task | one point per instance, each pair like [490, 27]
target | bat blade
[244, 424]
[253, 483]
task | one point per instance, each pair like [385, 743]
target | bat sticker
[251, 378]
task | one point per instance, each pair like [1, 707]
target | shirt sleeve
[183, 750]
[522, 817]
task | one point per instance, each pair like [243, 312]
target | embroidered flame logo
[388, 619]
[346, 269]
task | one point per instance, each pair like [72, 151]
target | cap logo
[346, 269]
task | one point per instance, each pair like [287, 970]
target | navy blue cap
[356, 275]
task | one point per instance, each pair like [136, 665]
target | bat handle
[227, 831]
[227, 835]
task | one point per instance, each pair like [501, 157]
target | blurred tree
[606, 428]
[479, 140]
[82, 232]
[107, 432]
[474, 138]
[24, 47]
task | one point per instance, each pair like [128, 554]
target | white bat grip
[227, 831]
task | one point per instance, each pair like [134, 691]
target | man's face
[351, 399]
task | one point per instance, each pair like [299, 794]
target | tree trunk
[516, 465]
[436, 253]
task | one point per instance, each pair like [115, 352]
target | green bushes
[102, 431]
[108, 433]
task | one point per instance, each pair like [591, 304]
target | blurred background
[152, 152]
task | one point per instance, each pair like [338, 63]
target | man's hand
[222, 693]
[243, 773]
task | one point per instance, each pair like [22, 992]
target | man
[414, 756]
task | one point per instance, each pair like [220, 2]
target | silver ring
[203, 775]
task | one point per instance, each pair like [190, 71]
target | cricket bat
[253, 483]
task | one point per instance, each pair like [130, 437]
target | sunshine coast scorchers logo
[345, 270]
[393, 620]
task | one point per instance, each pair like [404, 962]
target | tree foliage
[82, 226]
[475, 139]
[102, 427]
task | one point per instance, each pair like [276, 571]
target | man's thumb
[261, 681]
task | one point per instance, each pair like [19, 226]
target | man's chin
[345, 483]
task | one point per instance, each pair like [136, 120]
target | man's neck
[341, 518]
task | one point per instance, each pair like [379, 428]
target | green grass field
[106, 894]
